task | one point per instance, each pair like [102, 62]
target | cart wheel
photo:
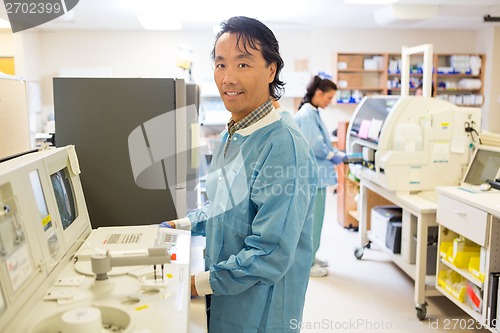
[421, 311]
[358, 252]
[368, 245]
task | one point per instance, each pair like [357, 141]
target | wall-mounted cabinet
[457, 78]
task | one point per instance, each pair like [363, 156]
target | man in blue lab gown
[261, 188]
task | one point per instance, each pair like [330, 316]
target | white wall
[153, 54]
[26, 45]
[488, 42]
[494, 96]
[6, 44]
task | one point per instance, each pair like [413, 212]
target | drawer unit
[463, 219]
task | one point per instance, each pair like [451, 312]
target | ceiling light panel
[370, 2]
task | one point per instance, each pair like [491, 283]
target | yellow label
[445, 124]
[170, 276]
[46, 220]
[142, 307]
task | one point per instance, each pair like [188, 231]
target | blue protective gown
[316, 133]
[258, 227]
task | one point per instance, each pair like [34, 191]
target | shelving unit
[347, 188]
[459, 84]
[359, 74]
[474, 218]
[451, 81]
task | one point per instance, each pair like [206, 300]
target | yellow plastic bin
[453, 283]
[462, 258]
[474, 268]
[444, 247]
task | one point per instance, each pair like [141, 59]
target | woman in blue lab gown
[320, 92]
[258, 228]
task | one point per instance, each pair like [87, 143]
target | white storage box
[380, 217]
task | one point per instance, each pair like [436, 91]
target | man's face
[242, 77]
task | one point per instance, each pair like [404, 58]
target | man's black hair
[257, 36]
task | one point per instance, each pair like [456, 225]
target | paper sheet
[19, 267]
[441, 153]
[415, 175]
[375, 129]
[73, 160]
[364, 129]
[458, 144]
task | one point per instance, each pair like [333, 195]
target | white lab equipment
[46, 246]
[14, 127]
[412, 143]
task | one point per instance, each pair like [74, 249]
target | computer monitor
[66, 190]
[485, 165]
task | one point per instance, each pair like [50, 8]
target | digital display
[485, 166]
[371, 117]
[63, 190]
[45, 218]
[40, 199]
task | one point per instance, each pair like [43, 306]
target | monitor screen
[63, 190]
[484, 166]
[370, 118]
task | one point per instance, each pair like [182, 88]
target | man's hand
[194, 293]
[168, 224]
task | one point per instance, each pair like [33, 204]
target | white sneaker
[322, 263]
[318, 271]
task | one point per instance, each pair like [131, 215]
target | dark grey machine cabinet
[98, 115]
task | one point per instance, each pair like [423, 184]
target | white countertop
[422, 202]
[488, 201]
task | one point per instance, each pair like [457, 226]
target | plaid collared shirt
[250, 119]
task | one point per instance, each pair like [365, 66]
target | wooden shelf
[355, 183]
[459, 75]
[360, 70]
[347, 190]
[457, 90]
[354, 214]
[411, 89]
[362, 88]
[369, 81]
[399, 74]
